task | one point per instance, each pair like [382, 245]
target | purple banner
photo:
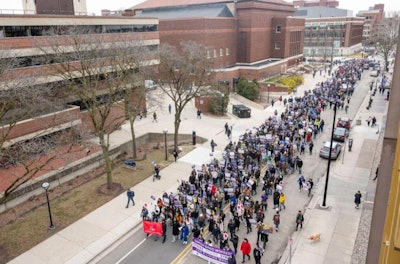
[210, 253]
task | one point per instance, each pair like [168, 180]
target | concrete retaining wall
[82, 166]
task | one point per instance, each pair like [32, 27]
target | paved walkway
[82, 241]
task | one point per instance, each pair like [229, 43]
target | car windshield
[340, 131]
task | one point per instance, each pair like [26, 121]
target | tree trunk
[107, 160]
[176, 128]
[134, 148]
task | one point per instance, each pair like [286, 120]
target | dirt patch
[114, 190]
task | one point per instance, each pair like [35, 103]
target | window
[227, 52]
[215, 53]
[208, 54]
[277, 45]
[221, 52]
[278, 29]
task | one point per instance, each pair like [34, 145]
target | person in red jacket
[245, 247]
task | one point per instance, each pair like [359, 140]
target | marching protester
[299, 220]
[245, 247]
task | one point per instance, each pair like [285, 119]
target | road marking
[133, 249]
[183, 254]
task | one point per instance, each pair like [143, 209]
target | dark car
[336, 149]
[344, 122]
[340, 134]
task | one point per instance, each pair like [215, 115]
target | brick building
[330, 32]
[327, 3]
[373, 16]
[51, 7]
[253, 39]
[22, 39]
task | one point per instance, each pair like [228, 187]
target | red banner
[152, 228]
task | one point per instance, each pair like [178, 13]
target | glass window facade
[27, 31]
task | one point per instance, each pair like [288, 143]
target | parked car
[366, 66]
[374, 73]
[344, 122]
[340, 134]
[336, 149]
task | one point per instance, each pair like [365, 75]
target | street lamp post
[165, 142]
[329, 156]
[46, 187]
[268, 85]
[330, 70]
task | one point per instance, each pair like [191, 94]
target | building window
[208, 54]
[278, 29]
[215, 53]
[227, 51]
[277, 45]
[221, 52]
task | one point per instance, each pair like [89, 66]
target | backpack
[276, 218]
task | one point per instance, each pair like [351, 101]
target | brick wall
[214, 33]
[35, 125]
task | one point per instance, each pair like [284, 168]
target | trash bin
[358, 122]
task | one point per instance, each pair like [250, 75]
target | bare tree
[140, 59]
[183, 72]
[21, 152]
[386, 38]
[99, 72]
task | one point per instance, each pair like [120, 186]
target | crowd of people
[251, 171]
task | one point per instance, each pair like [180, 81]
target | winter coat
[245, 247]
[175, 228]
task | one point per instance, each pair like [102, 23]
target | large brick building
[330, 31]
[51, 7]
[253, 39]
[373, 16]
[23, 39]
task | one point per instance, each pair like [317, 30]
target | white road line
[133, 249]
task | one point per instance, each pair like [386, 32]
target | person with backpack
[130, 195]
[277, 220]
[260, 215]
[299, 220]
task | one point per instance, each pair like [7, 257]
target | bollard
[194, 137]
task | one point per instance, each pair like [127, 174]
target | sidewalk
[82, 241]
